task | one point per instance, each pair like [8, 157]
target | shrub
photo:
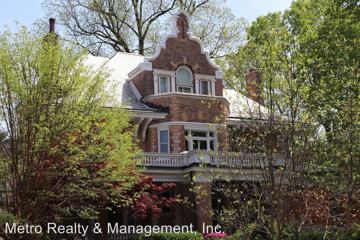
[214, 236]
[173, 236]
[250, 232]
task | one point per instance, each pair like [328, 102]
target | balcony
[212, 159]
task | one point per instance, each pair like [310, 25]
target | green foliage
[67, 156]
[173, 236]
[308, 61]
[249, 232]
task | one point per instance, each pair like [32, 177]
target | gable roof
[121, 64]
[118, 67]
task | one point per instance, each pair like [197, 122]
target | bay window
[199, 140]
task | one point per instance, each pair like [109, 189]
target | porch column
[203, 205]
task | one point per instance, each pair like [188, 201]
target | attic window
[184, 80]
[164, 84]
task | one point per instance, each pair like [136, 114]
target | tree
[308, 64]
[105, 26]
[218, 28]
[64, 155]
[277, 135]
[328, 33]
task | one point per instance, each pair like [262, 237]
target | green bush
[249, 232]
[312, 235]
[173, 236]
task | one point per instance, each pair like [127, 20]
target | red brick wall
[253, 82]
[192, 109]
[151, 140]
[144, 82]
[177, 142]
[219, 87]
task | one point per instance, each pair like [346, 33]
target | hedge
[173, 236]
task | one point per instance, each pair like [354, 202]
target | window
[199, 140]
[184, 80]
[205, 87]
[164, 141]
[164, 84]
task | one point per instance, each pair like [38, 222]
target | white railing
[225, 159]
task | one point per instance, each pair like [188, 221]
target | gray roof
[119, 66]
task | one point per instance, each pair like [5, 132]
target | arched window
[184, 80]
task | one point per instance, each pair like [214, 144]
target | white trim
[168, 82]
[173, 84]
[159, 143]
[197, 87]
[145, 127]
[137, 128]
[204, 77]
[147, 66]
[189, 125]
[135, 90]
[144, 66]
[210, 88]
[211, 78]
[173, 34]
[202, 175]
[213, 82]
[147, 114]
[163, 72]
[191, 95]
[156, 84]
[181, 85]
[208, 139]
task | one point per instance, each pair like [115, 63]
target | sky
[27, 11]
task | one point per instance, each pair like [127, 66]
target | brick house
[181, 110]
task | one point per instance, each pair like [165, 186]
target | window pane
[186, 145]
[205, 88]
[164, 84]
[211, 134]
[203, 145]
[183, 77]
[198, 134]
[195, 145]
[185, 89]
[164, 147]
[164, 138]
[212, 145]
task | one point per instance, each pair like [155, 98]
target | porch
[210, 159]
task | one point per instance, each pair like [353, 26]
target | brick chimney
[51, 25]
[253, 85]
[51, 36]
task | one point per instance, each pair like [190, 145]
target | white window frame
[202, 77]
[171, 75]
[168, 83]
[159, 142]
[190, 139]
[209, 87]
[191, 87]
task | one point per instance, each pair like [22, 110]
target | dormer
[179, 66]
